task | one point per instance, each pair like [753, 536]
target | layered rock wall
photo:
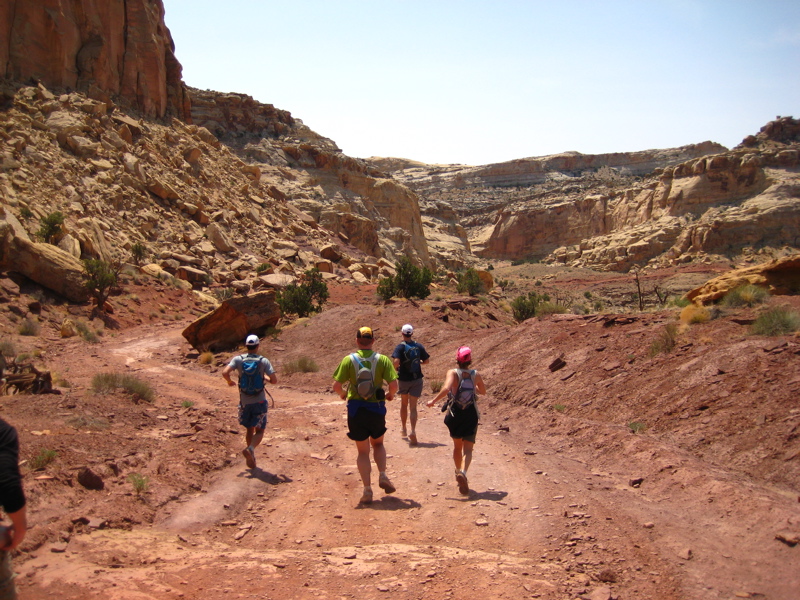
[110, 49]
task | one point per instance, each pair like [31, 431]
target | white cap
[252, 340]
[407, 329]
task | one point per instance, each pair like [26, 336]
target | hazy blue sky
[480, 82]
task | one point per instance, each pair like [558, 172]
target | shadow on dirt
[493, 496]
[391, 503]
[266, 476]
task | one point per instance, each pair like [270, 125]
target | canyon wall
[118, 50]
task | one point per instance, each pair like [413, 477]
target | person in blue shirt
[407, 357]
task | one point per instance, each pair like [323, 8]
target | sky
[479, 82]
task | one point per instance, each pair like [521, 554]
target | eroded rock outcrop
[779, 276]
[119, 51]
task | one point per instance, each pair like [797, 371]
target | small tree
[138, 252]
[305, 297]
[101, 277]
[470, 282]
[51, 226]
[527, 306]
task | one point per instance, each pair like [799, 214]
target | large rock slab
[233, 320]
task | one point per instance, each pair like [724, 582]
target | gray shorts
[412, 388]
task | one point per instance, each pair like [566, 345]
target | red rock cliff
[120, 48]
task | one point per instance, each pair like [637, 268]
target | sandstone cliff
[118, 50]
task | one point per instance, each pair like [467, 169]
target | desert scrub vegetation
[535, 305]
[42, 459]
[665, 341]
[86, 332]
[301, 364]
[109, 382]
[745, 295]
[636, 426]
[88, 422]
[139, 482]
[778, 320]
[206, 358]
[29, 327]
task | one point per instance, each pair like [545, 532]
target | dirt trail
[540, 522]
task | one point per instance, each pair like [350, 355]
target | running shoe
[463, 484]
[366, 497]
[412, 439]
[386, 485]
[249, 458]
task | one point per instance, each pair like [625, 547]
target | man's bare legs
[408, 410]
[365, 467]
[253, 437]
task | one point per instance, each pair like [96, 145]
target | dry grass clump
[695, 314]
[779, 320]
[206, 358]
[665, 341]
[745, 295]
[138, 389]
[302, 364]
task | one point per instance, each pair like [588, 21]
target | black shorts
[462, 423]
[366, 424]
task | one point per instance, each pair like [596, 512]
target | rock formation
[120, 51]
[779, 276]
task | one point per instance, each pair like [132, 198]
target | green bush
[303, 364]
[138, 389]
[305, 297]
[745, 295]
[534, 305]
[470, 283]
[408, 282]
[636, 426]
[51, 226]
[779, 320]
[7, 348]
[223, 294]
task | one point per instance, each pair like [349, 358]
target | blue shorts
[253, 415]
[8, 591]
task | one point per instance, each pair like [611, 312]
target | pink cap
[464, 354]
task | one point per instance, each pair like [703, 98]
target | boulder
[233, 320]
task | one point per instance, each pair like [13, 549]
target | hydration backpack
[465, 394]
[365, 375]
[251, 381]
[412, 355]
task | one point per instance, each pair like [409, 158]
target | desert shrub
[665, 341]
[29, 327]
[187, 404]
[206, 358]
[524, 307]
[503, 284]
[139, 482]
[695, 314]
[302, 364]
[138, 252]
[778, 320]
[305, 297]
[25, 212]
[41, 460]
[469, 282]
[679, 302]
[101, 277]
[7, 348]
[436, 385]
[223, 294]
[50, 226]
[636, 426]
[138, 389]
[261, 267]
[409, 281]
[559, 407]
[550, 308]
[86, 332]
[745, 295]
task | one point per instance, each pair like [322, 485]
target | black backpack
[251, 381]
